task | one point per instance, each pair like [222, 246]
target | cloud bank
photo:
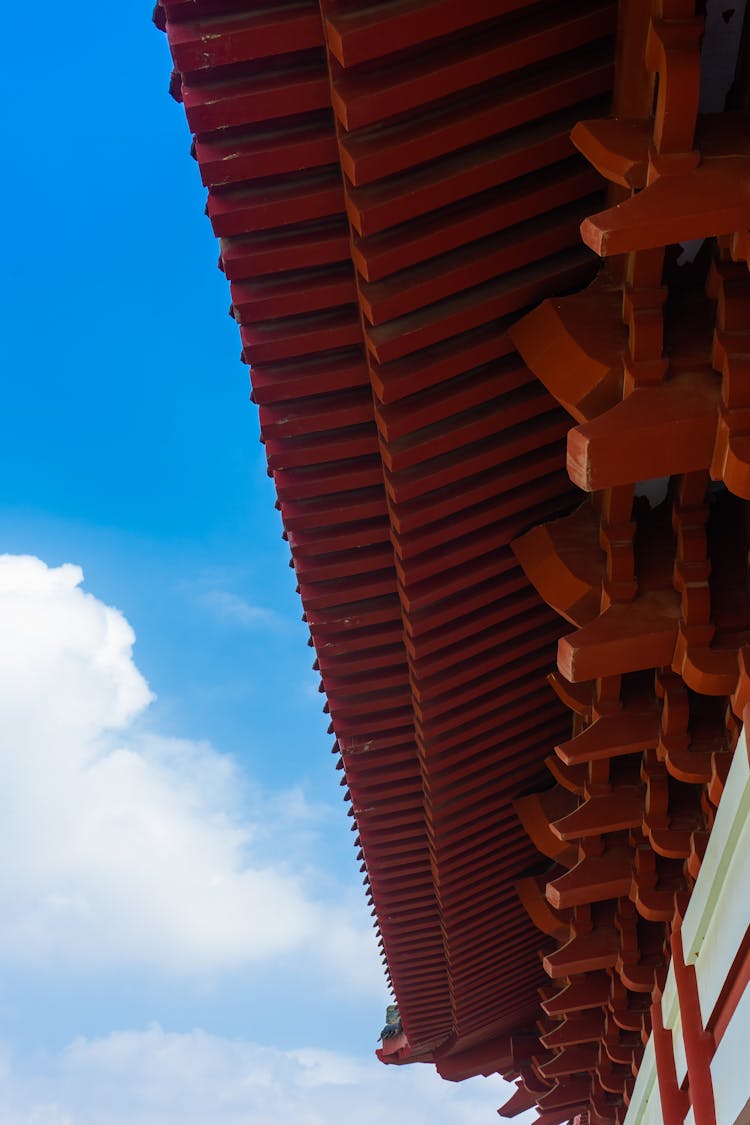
[123, 846]
[155, 1078]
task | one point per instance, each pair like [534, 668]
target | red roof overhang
[395, 191]
[392, 187]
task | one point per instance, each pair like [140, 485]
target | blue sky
[186, 937]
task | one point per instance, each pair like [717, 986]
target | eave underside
[394, 187]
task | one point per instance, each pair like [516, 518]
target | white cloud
[157, 1078]
[230, 607]
[123, 847]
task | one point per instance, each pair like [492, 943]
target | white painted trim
[729, 1068]
[727, 927]
[645, 1099]
[718, 915]
[732, 815]
[672, 1018]
[715, 924]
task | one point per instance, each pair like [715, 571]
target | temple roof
[398, 203]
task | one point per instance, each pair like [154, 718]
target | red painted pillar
[699, 1043]
[674, 1101]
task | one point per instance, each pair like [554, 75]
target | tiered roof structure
[461, 238]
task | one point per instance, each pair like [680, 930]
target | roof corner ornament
[392, 1023]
